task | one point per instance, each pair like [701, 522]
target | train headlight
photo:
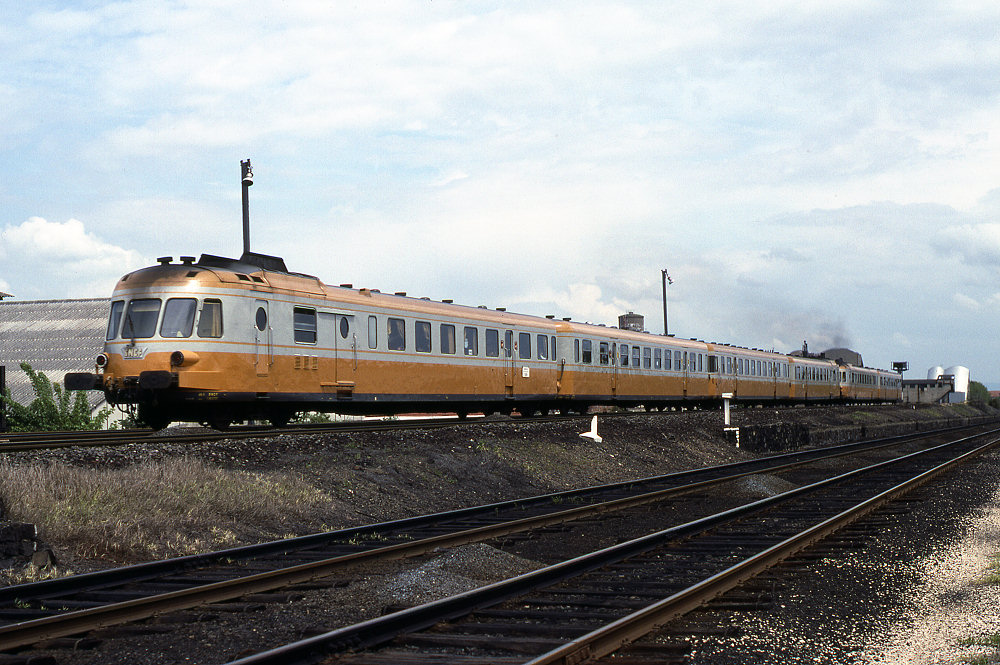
[183, 358]
[101, 361]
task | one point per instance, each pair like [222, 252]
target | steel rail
[59, 625]
[149, 570]
[612, 637]
[383, 629]
[30, 441]
[733, 470]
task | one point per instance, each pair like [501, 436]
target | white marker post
[725, 410]
[592, 434]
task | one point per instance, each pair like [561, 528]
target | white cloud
[966, 302]
[63, 258]
[975, 243]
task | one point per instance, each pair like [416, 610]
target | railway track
[67, 606]
[31, 441]
[28, 441]
[590, 606]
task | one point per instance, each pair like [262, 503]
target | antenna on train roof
[247, 172]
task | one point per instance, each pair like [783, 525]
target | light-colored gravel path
[951, 604]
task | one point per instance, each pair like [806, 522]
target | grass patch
[992, 575]
[157, 509]
[982, 641]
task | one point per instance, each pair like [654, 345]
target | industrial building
[54, 337]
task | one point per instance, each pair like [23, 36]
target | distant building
[54, 337]
[960, 378]
[840, 355]
[942, 386]
[632, 321]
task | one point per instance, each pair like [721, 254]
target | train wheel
[153, 417]
[280, 420]
[220, 423]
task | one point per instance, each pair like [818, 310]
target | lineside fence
[3, 405]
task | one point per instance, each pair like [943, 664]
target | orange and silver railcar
[222, 340]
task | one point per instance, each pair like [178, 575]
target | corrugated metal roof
[54, 337]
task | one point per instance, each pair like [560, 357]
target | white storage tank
[961, 391]
[935, 373]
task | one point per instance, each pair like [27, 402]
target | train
[222, 340]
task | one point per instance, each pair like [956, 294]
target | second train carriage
[220, 340]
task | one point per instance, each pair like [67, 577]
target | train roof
[269, 273]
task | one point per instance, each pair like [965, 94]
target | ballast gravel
[914, 594]
[910, 595]
[952, 609]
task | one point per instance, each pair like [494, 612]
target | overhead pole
[666, 280]
[247, 173]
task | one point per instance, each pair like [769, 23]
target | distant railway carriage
[222, 340]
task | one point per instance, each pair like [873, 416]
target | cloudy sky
[821, 171]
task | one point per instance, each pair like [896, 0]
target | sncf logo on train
[133, 353]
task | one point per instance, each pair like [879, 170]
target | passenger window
[635, 356]
[423, 336]
[178, 317]
[524, 346]
[447, 338]
[372, 332]
[588, 352]
[397, 335]
[657, 358]
[115, 320]
[140, 318]
[543, 347]
[647, 358]
[210, 323]
[493, 343]
[304, 324]
[623, 355]
[552, 350]
[471, 341]
[604, 353]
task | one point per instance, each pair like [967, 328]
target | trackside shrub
[53, 408]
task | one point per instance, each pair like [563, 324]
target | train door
[346, 351]
[685, 375]
[614, 369]
[262, 340]
[509, 361]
